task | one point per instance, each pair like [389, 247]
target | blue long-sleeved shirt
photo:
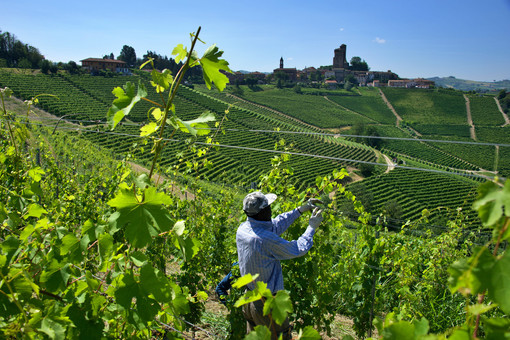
[260, 248]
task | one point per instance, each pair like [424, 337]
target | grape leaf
[156, 283]
[211, 65]
[142, 219]
[126, 99]
[500, 281]
[279, 306]
[161, 80]
[308, 333]
[244, 280]
[35, 210]
[492, 202]
[180, 52]
[259, 333]
[148, 129]
[197, 126]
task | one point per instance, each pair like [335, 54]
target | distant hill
[469, 85]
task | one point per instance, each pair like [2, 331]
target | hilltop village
[336, 75]
[333, 76]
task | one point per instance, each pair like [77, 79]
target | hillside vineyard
[321, 125]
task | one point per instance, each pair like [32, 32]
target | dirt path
[505, 116]
[399, 119]
[391, 165]
[470, 119]
[387, 159]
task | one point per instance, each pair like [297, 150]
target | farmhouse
[97, 64]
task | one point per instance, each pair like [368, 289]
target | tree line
[16, 54]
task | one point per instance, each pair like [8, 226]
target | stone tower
[339, 60]
[281, 62]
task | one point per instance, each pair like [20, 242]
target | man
[260, 250]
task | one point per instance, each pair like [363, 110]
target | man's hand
[309, 205]
[316, 218]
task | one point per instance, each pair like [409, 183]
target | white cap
[254, 202]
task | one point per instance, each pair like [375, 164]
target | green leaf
[92, 282]
[142, 181]
[53, 329]
[11, 248]
[421, 327]
[492, 202]
[180, 52]
[69, 244]
[500, 282]
[105, 244]
[309, 333]
[21, 283]
[178, 228]
[201, 295]
[211, 65]
[244, 280]
[462, 333]
[401, 330]
[126, 290]
[196, 127]
[156, 283]
[35, 210]
[470, 277]
[138, 258]
[279, 306]
[478, 308]
[259, 333]
[142, 219]
[55, 276]
[126, 99]
[248, 297]
[161, 80]
[189, 246]
[36, 173]
[496, 328]
[148, 129]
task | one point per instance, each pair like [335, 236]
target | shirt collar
[263, 224]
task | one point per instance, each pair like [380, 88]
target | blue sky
[466, 39]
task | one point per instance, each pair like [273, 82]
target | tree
[318, 75]
[45, 66]
[372, 132]
[128, 55]
[53, 68]
[72, 67]
[358, 65]
[367, 170]
[348, 85]
[24, 63]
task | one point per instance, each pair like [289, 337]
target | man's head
[258, 206]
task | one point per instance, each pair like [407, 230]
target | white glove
[309, 205]
[316, 218]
